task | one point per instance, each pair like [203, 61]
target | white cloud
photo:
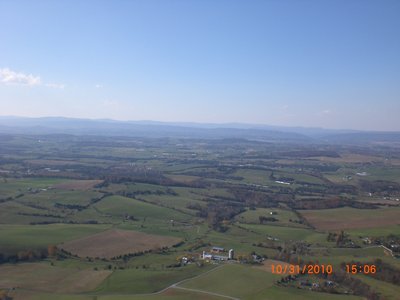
[111, 103]
[55, 85]
[98, 86]
[8, 76]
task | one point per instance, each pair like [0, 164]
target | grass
[352, 218]
[281, 293]
[254, 176]
[111, 243]
[262, 177]
[375, 232]
[233, 280]
[383, 173]
[12, 212]
[50, 197]
[22, 237]
[119, 206]
[140, 281]
[388, 290]
[43, 277]
[287, 233]
[283, 216]
[174, 202]
[335, 256]
[237, 238]
[173, 294]
[10, 187]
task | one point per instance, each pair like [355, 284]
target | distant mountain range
[61, 125]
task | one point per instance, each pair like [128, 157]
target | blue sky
[332, 64]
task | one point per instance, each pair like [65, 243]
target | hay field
[80, 185]
[352, 218]
[115, 242]
[45, 278]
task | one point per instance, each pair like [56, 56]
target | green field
[233, 280]
[24, 237]
[286, 233]
[117, 206]
[284, 217]
[169, 294]
[141, 281]
[102, 194]
[245, 282]
[352, 218]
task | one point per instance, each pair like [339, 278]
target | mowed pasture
[14, 238]
[352, 218]
[80, 185]
[12, 212]
[285, 233]
[11, 187]
[388, 290]
[118, 206]
[115, 242]
[169, 294]
[282, 216]
[144, 281]
[233, 280]
[245, 282]
[48, 199]
[46, 278]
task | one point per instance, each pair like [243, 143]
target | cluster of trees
[292, 252]
[81, 207]
[309, 153]
[71, 206]
[339, 277]
[133, 194]
[40, 215]
[127, 256]
[26, 255]
[383, 187]
[158, 249]
[263, 219]
[390, 241]
[29, 255]
[332, 202]
[220, 213]
[340, 238]
[255, 198]
[357, 286]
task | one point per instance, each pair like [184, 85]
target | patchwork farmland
[202, 220]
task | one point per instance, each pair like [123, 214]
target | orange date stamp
[311, 269]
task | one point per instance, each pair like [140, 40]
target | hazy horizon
[209, 125]
[278, 63]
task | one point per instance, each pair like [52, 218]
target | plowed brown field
[115, 242]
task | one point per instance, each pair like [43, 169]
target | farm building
[231, 254]
[219, 257]
[217, 250]
[206, 255]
